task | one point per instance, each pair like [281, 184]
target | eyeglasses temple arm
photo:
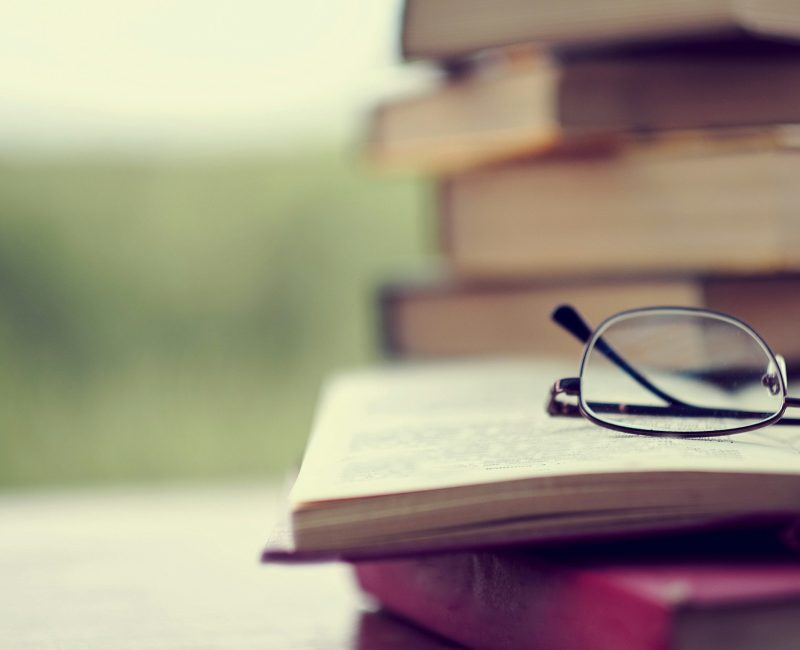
[569, 318]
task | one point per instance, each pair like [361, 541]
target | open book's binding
[773, 529]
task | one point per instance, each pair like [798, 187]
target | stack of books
[465, 508]
[608, 154]
[611, 154]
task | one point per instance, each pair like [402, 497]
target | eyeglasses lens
[679, 371]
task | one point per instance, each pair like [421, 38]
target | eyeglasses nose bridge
[770, 378]
[782, 365]
[770, 381]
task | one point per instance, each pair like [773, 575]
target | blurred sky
[163, 74]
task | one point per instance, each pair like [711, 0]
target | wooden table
[172, 567]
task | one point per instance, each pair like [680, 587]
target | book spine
[494, 601]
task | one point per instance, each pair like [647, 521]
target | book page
[414, 428]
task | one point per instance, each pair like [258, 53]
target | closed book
[525, 601]
[523, 104]
[450, 29]
[671, 204]
[445, 317]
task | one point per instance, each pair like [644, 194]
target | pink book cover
[527, 601]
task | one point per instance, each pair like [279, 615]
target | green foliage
[167, 319]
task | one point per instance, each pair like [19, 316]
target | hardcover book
[446, 317]
[725, 205]
[451, 29]
[540, 601]
[527, 104]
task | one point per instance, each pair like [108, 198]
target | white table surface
[171, 567]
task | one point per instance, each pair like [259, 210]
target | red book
[497, 600]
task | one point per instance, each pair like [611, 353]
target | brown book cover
[727, 205]
[451, 29]
[524, 104]
[446, 318]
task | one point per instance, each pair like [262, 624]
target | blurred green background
[189, 239]
[172, 317]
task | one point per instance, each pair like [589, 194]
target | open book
[409, 459]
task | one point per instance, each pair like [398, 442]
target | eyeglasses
[673, 371]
